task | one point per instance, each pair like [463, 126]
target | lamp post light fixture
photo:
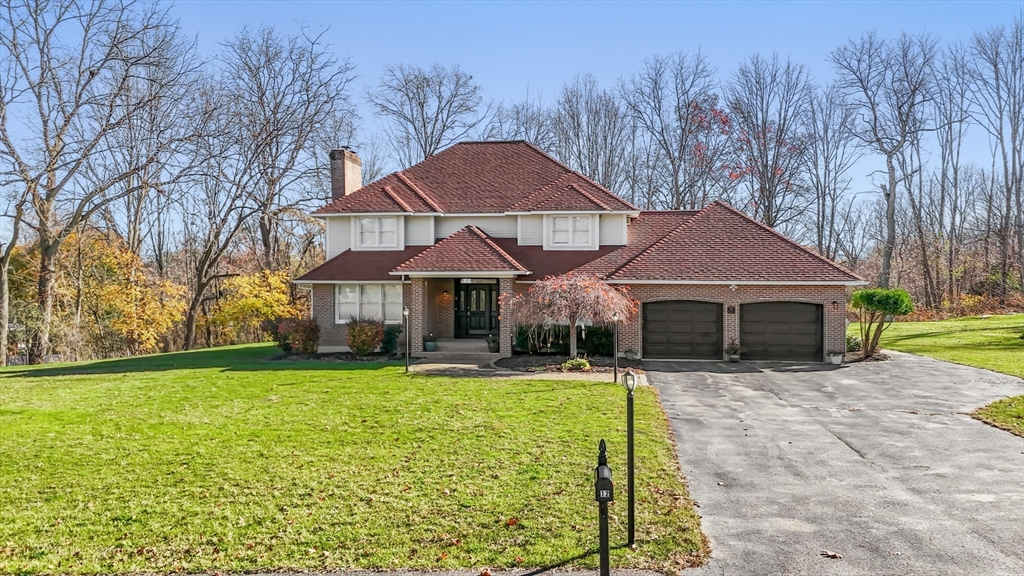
[615, 347]
[405, 319]
[629, 383]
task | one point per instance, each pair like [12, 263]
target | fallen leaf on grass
[485, 572]
[830, 554]
[512, 521]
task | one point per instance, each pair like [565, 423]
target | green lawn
[219, 460]
[993, 343]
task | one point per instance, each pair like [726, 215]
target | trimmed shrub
[304, 336]
[576, 365]
[364, 335]
[291, 334]
[389, 344]
[853, 343]
[878, 307]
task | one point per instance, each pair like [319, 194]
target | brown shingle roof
[361, 266]
[478, 177]
[468, 250]
[720, 243]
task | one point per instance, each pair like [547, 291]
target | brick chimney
[346, 172]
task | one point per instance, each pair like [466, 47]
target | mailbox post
[603, 493]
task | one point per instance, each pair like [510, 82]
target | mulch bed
[339, 357]
[853, 357]
[546, 363]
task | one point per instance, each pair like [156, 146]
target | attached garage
[682, 329]
[782, 331]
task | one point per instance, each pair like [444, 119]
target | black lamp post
[603, 494]
[629, 383]
[405, 317]
[615, 347]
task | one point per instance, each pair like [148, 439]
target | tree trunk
[573, 351]
[190, 319]
[40, 345]
[890, 225]
[5, 311]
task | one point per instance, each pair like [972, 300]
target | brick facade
[631, 331]
[431, 310]
[334, 336]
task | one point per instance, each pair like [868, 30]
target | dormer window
[570, 231]
[378, 231]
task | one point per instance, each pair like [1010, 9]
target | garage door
[781, 331]
[682, 329]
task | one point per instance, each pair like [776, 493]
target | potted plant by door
[836, 357]
[492, 344]
[430, 343]
[732, 351]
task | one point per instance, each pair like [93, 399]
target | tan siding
[339, 235]
[419, 230]
[531, 230]
[613, 228]
[496, 226]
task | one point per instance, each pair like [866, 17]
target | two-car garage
[691, 329]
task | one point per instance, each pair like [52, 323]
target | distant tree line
[156, 198]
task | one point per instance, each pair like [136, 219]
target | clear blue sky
[516, 48]
[512, 47]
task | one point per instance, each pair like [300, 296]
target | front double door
[476, 310]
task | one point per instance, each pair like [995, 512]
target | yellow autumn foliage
[247, 300]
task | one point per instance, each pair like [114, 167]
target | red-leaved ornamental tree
[570, 299]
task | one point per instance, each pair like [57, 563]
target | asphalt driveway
[876, 462]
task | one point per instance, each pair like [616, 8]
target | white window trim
[359, 305]
[549, 231]
[399, 232]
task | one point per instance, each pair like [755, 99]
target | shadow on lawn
[555, 566]
[237, 359]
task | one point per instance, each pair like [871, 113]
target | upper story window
[378, 232]
[570, 231]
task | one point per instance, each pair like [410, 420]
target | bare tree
[68, 98]
[528, 120]
[831, 152]
[672, 100]
[767, 101]
[952, 119]
[590, 131]
[426, 110]
[889, 82]
[16, 216]
[215, 207]
[997, 96]
[285, 91]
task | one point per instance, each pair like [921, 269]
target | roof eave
[460, 273]
[746, 282]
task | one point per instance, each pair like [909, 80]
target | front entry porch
[460, 313]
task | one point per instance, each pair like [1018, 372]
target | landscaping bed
[553, 363]
[222, 461]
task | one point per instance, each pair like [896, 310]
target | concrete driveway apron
[876, 462]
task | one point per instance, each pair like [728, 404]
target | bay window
[368, 302]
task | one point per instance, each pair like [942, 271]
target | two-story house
[448, 236]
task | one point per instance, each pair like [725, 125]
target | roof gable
[468, 250]
[481, 177]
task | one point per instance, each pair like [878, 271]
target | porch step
[452, 357]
